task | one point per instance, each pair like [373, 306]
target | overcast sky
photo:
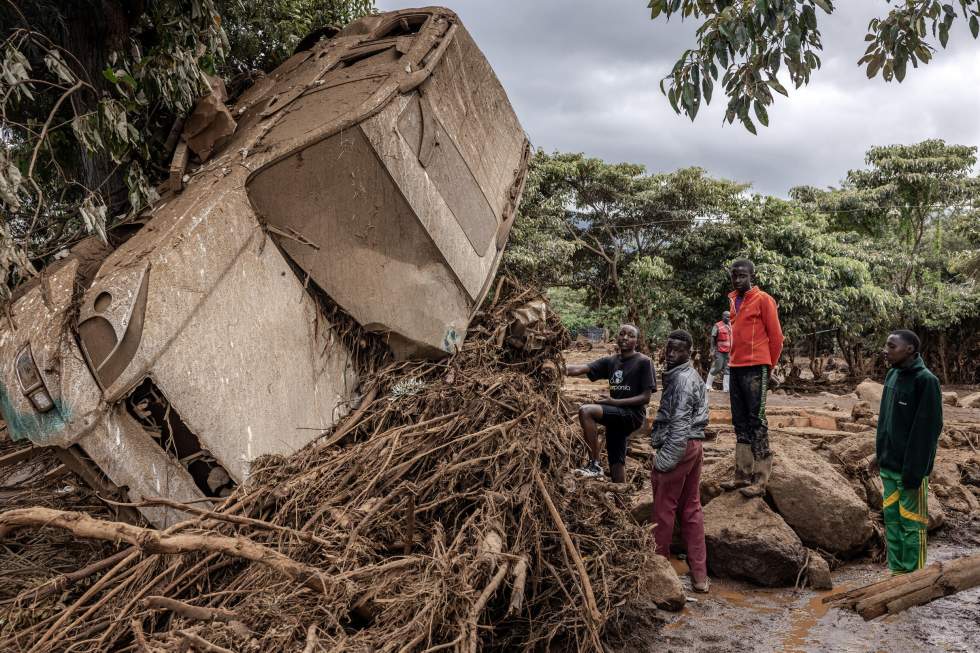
[584, 76]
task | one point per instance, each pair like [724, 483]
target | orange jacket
[757, 337]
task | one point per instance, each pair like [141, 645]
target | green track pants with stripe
[906, 517]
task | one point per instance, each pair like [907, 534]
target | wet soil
[737, 616]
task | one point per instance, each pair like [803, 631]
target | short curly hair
[908, 337]
[683, 336]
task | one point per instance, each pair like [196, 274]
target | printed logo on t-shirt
[616, 382]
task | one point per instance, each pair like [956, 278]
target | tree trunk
[942, 357]
[91, 31]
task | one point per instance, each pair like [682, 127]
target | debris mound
[439, 515]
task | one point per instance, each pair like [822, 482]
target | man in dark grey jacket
[676, 475]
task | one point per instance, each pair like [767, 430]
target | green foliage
[747, 43]
[263, 34]
[834, 260]
[590, 224]
[905, 191]
[571, 305]
[538, 250]
[90, 90]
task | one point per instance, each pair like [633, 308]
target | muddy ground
[738, 616]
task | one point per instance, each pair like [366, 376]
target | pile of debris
[438, 515]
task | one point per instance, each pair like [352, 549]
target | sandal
[702, 587]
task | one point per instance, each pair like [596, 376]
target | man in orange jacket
[757, 342]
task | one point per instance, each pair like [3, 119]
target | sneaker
[591, 470]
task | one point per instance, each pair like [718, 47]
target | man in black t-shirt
[623, 410]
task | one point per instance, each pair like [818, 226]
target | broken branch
[587, 593]
[210, 514]
[520, 580]
[153, 541]
[188, 611]
[202, 644]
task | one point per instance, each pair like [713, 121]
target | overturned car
[379, 167]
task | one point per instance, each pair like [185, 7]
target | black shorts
[619, 423]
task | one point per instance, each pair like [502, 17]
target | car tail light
[31, 382]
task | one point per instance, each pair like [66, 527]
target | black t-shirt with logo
[628, 377]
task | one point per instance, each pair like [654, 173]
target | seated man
[676, 475]
[623, 410]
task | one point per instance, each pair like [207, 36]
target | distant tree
[747, 42]
[904, 190]
[263, 34]
[920, 205]
[609, 216]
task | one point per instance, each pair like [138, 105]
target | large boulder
[971, 401]
[937, 516]
[642, 508]
[951, 399]
[818, 572]
[747, 540]
[945, 471]
[817, 501]
[713, 475]
[661, 584]
[862, 412]
[719, 465]
[854, 451]
[870, 391]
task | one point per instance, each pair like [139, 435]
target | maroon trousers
[677, 493]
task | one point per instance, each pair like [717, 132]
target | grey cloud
[583, 76]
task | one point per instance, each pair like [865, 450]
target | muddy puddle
[737, 616]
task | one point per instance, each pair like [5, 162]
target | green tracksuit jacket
[909, 422]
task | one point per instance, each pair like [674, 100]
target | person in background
[623, 410]
[676, 475]
[757, 342]
[910, 421]
[721, 344]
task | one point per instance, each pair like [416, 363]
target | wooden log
[875, 604]
[899, 593]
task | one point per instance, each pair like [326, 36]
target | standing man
[676, 475]
[721, 344]
[757, 342]
[909, 423]
[623, 410]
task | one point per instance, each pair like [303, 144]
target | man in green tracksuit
[909, 424]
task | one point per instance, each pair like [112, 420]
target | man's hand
[605, 399]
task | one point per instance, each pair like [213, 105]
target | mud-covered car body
[380, 167]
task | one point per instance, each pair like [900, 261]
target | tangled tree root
[438, 516]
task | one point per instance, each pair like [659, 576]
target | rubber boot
[724, 383]
[760, 478]
[743, 468]
[709, 383]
